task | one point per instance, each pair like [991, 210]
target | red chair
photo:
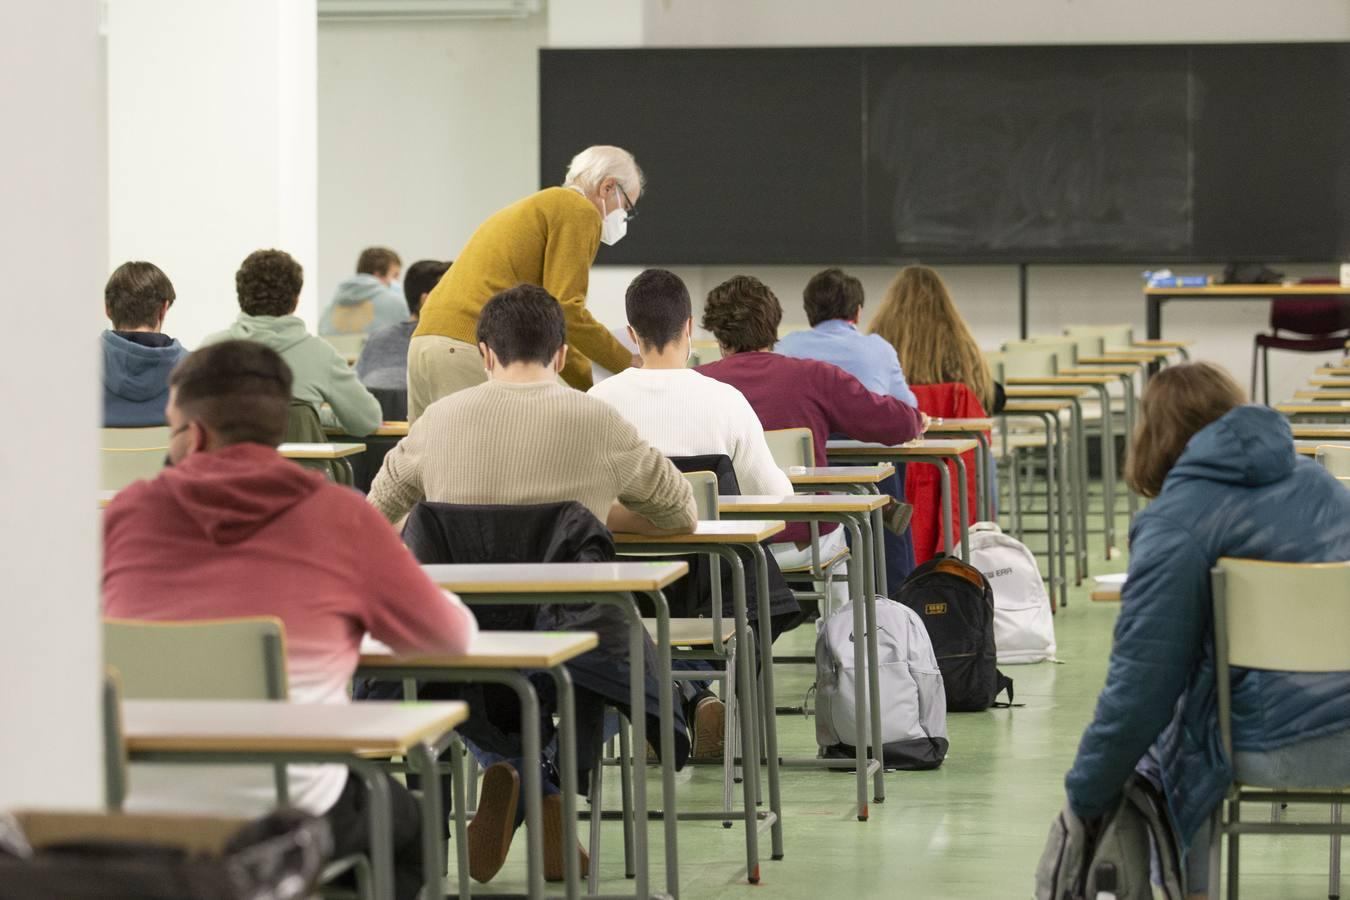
[1322, 322]
[923, 485]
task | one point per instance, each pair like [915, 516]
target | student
[370, 300]
[268, 284]
[743, 315]
[137, 356]
[1227, 483]
[233, 529]
[918, 318]
[834, 301]
[384, 358]
[523, 437]
[549, 238]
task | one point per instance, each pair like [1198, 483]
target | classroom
[677, 448]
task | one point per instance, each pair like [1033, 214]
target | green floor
[972, 829]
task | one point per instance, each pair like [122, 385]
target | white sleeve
[755, 467]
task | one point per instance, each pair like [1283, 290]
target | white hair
[594, 164]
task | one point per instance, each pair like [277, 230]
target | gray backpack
[914, 703]
[1118, 865]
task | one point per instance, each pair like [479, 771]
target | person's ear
[164, 312]
[632, 336]
[689, 329]
[489, 358]
[107, 312]
[560, 359]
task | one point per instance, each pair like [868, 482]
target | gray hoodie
[320, 374]
[387, 307]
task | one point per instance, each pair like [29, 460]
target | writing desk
[1329, 432]
[719, 540]
[263, 731]
[1323, 394]
[1341, 369]
[1075, 465]
[496, 656]
[339, 453]
[386, 430]
[1331, 409]
[1155, 297]
[606, 583]
[1342, 381]
[1309, 448]
[980, 429]
[825, 477]
[1056, 487]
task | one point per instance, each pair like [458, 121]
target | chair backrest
[1065, 347]
[349, 346]
[155, 436]
[220, 659]
[1114, 337]
[114, 747]
[1088, 343]
[791, 447]
[1312, 316]
[305, 427]
[1285, 617]
[994, 359]
[119, 468]
[705, 493]
[1027, 359]
[1335, 459]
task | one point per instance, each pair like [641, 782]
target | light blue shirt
[867, 357]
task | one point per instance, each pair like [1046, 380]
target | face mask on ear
[614, 226]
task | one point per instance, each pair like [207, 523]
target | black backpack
[956, 604]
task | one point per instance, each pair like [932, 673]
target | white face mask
[614, 226]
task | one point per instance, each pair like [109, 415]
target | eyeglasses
[630, 213]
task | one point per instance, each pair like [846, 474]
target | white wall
[53, 189]
[211, 145]
[442, 78]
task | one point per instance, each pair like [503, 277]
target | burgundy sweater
[803, 393]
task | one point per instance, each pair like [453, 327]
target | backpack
[914, 705]
[1024, 623]
[956, 605]
[1118, 863]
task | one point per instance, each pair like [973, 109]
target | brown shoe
[709, 729]
[493, 824]
[553, 842]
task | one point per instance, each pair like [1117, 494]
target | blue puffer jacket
[1238, 490]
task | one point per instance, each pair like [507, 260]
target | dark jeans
[899, 547]
[350, 821]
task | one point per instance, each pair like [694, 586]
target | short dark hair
[134, 293]
[420, 278]
[376, 261]
[743, 314]
[657, 304]
[522, 324]
[241, 390]
[268, 283]
[832, 294]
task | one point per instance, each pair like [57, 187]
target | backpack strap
[1003, 683]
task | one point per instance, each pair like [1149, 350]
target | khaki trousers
[439, 366]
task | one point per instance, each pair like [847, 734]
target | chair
[1114, 337]
[1285, 617]
[704, 485]
[131, 454]
[304, 427]
[1322, 322]
[1335, 458]
[1034, 359]
[791, 447]
[154, 436]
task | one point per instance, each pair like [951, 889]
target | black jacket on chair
[550, 532]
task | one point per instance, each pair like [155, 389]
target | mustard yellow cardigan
[549, 239]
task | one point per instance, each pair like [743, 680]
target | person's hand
[924, 421]
[637, 361]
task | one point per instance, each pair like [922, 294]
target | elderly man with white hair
[548, 239]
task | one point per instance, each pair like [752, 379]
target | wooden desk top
[1136, 352]
[492, 650]
[693, 632]
[386, 429]
[1324, 394]
[1320, 409]
[920, 447]
[729, 531]
[1118, 371]
[1013, 407]
[802, 503]
[1333, 370]
[1309, 447]
[1121, 358]
[320, 451]
[1334, 432]
[1038, 393]
[1250, 290]
[813, 475]
[554, 578]
[1051, 380]
[1174, 345]
[240, 726]
[1332, 381]
[959, 426]
[1106, 593]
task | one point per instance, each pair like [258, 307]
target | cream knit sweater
[503, 443]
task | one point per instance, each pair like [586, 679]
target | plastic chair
[1030, 359]
[1284, 617]
[791, 447]
[1335, 458]
[705, 493]
[1114, 337]
[1323, 322]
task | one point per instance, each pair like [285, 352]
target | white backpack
[1024, 625]
[914, 702]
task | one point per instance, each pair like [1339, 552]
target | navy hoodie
[136, 377]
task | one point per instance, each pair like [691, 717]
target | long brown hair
[1179, 401]
[918, 318]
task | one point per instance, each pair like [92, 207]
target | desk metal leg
[1131, 498]
[859, 528]
[1059, 486]
[962, 524]
[765, 618]
[567, 768]
[1078, 473]
[664, 679]
[981, 476]
[423, 759]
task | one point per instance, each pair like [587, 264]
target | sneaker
[553, 842]
[494, 824]
[709, 718]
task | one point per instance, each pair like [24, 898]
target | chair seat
[824, 563]
[1305, 345]
[693, 632]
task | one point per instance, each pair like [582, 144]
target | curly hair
[743, 314]
[268, 283]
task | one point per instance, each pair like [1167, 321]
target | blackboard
[1141, 153]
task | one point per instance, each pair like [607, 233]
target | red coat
[923, 486]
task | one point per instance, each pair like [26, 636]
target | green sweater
[320, 375]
